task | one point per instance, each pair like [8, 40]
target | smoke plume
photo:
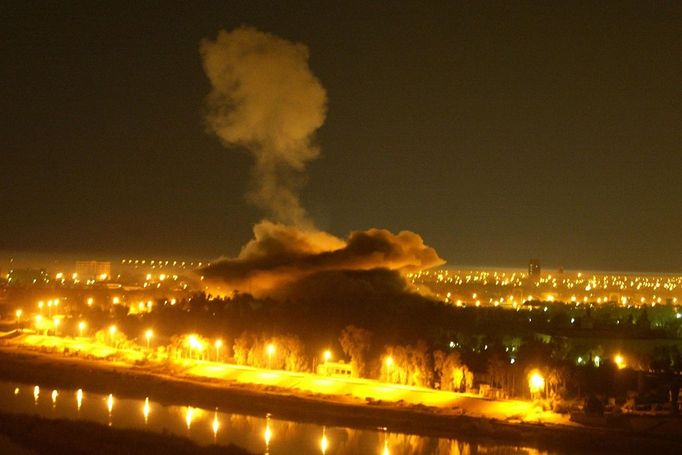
[280, 256]
[265, 98]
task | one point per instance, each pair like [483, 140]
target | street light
[389, 364]
[148, 335]
[112, 332]
[218, 344]
[619, 361]
[271, 350]
[192, 344]
[18, 314]
[81, 327]
[327, 355]
[56, 321]
[536, 383]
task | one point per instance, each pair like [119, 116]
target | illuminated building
[534, 268]
[338, 369]
[93, 270]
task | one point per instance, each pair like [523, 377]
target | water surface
[263, 434]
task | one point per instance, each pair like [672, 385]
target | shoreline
[54, 370]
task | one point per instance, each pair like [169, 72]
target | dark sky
[542, 129]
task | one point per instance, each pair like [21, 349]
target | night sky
[542, 129]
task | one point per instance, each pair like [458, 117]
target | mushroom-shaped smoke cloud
[265, 99]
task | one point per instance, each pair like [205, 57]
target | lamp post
[81, 327]
[112, 332]
[271, 350]
[619, 361]
[18, 314]
[148, 335]
[192, 344]
[389, 364]
[536, 384]
[218, 344]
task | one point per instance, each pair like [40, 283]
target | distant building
[93, 270]
[338, 369]
[534, 268]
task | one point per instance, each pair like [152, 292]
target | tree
[293, 353]
[451, 372]
[243, 346]
[355, 342]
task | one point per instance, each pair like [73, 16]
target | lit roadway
[360, 388]
[350, 388]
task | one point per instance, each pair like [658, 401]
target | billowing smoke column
[265, 99]
[280, 256]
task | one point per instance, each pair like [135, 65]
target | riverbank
[57, 371]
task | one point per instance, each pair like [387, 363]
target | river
[259, 434]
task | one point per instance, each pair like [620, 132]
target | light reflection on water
[257, 434]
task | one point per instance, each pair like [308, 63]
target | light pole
[18, 314]
[389, 363]
[192, 343]
[56, 321]
[271, 350]
[619, 361]
[536, 384]
[112, 332]
[218, 344]
[81, 327]
[148, 335]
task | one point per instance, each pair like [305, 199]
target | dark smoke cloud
[265, 98]
[280, 256]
